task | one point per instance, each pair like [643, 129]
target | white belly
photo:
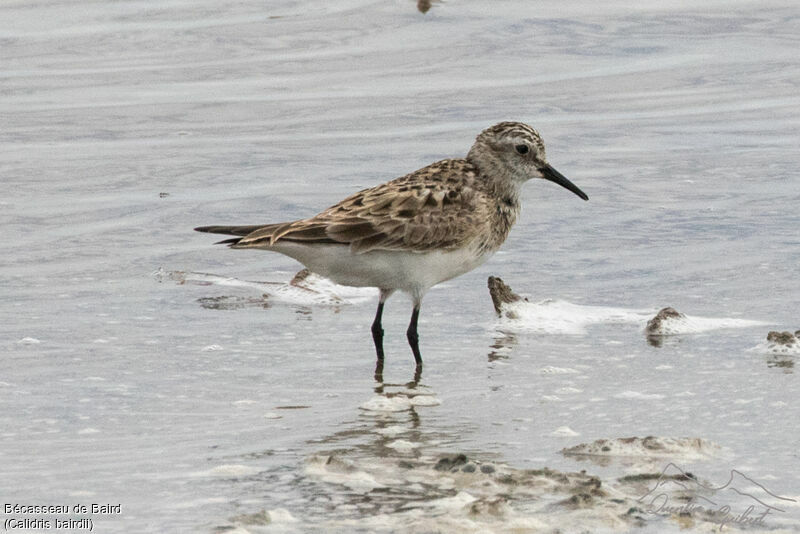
[412, 272]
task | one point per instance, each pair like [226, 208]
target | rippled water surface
[143, 366]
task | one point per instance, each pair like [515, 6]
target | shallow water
[197, 404]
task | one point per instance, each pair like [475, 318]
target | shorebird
[418, 230]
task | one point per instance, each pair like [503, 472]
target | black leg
[417, 375]
[413, 337]
[377, 334]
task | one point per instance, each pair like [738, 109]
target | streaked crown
[513, 133]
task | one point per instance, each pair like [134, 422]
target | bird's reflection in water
[781, 361]
[659, 341]
[379, 377]
[390, 424]
[501, 348]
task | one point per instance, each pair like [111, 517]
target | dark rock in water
[487, 469]
[469, 468]
[655, 326]
[782, 338]
[501, 294]
[449, 462]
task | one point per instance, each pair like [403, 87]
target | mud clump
[783, 338]
[425, 5]
[502, 294]
[656, 326]
[300, 277]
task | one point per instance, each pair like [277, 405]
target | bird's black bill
[553, 175]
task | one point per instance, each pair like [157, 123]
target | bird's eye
[522, 149]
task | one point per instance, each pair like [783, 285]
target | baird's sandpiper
[418, 230]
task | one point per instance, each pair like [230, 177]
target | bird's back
[444, 206]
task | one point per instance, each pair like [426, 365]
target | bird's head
[514, 151]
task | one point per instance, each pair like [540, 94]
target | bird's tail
[307, 231]
[240, 231]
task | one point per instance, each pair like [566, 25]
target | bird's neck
[496, 179]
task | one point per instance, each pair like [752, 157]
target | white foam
[403, 445]
[399, 402]
[771, 347]
[393, 430]
[281, 515]
[380, 403]
[638, 396]
[425, 400]
[562, 317]
[313, 290]
[694, 325]
[229, 470]
[334, 470]
[568, 390]
[29, 341]
[551, 370]
[456, 502]
[564, 431]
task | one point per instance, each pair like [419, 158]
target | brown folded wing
[435, 207]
